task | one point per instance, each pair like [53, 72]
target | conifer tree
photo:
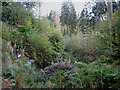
[68, 16]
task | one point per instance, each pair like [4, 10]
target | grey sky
[55, 5]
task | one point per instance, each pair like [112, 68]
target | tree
[64, 14]
[72, 19]
[68, 16]
[39, 5]
[98, 10]
[84, 20]
[110, 16]
[16, 12]
[54, 17]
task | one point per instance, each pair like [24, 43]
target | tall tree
[72, 19]
[64, 14]
[98, 10]
[68, 15]
[16, 12]
[110, 16]
[54, 17]
[39, 5]
[84, 20]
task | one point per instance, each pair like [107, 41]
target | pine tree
[68, 16]
[84, 20]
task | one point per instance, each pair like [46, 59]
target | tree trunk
[110, 16]
[61, 29]
[67, 28]
[64, 31]
[70, 32]
[39, 15]
[118, 32]
[96, 17]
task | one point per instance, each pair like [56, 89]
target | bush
[81, 46]
[5, 33]
[93, 75]
[23, 75]
[43, 45]
[56, 40]
[38, 41]
[104, 48]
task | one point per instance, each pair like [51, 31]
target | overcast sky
[55, 5]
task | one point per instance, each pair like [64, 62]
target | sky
[55, 5]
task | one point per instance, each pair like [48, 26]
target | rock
[57, 66]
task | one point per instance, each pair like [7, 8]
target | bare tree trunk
[61, 29]
[96, 17]
[67, 28]
[70, 33]
[39, 15]
[110, 14]
[118, 32]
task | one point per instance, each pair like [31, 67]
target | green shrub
[81, 46]
[24, 75]
[99, 74]
[5, 33]
[42, 44]
[93, 75]
[104, 47]
[58, 79]
[38, 41]
[56, 40]
[42, 26]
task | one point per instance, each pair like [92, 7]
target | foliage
[5, 33]
[68, 16]
[51, 23]
[38, 40]
[83, 22]
[81, 45]
[54, 19]
[56, 41]
[38, 47]
[23, 75]
[41, 44]
[43, 26]
[92, 75]
[17, 9]
[37, 55]
[104, 46]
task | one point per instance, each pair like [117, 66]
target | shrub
[81, 45]
[56, 40]
[43, 44]
[38, 41]
[38, 48]
[105, 39]
[23, 75]
[99, 74]
[93, 75]
[5, 33]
